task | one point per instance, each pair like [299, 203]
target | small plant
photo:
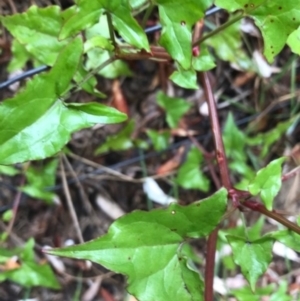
[151, 248]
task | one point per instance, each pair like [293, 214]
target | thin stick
[85, 198]
[70, 203]
[111, 30]
[218, 29]
[15, 208]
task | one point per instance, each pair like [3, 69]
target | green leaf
[126, 25]
[39, 179]
[269, 138]
[87, 14]
[36, 124]
[7, 215]
[228, 46]
[275, 19]
[253, 232]
[8, 170]
[177, 21]
[135, 4]
[20, 56]
[118, 142]
[234, 140]
[288, 238]
[294, 41]
[99, 42]
[174, 107]
[37, 30]
[267, 182]
[29, 274]
[189, 174]
[88, 85]
[185, 78]
[253, 257]
[160, 140]
[190, 273]
[204, 61]
[138, 238]
[243, 169]
[281, 293]
[246, 294]
[97, 56]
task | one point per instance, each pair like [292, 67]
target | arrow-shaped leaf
[177, 20]
[36, 124]
[146, 246]
[252, 256]
[267, 182]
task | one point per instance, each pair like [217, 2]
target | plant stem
[111, 30]
[147, 14]
[210, 265]
[15, 207]
[93, 72]
[216, 130]
[224, 173]
[218, 29]
[255, 206]
[293, 173]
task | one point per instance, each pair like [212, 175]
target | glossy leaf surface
[30, 134]
[89, 13]
[177, 21]
[147, 247]
[267, 182]
[185, 78]
[37, 29]
[252, 256]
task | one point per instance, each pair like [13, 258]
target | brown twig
[84, 196]
[70, 203]
[15, 208]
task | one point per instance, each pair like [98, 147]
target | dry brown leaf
[11, 264]
[119, 101]
[171, 164]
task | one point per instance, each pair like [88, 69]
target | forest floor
[107, 185]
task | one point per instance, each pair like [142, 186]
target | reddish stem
[290, 174]
[255, 206]
[216, 130]
[225, 179]
[210, 265]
